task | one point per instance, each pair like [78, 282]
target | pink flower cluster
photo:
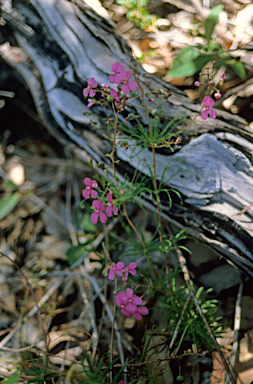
[128, 303]
[127, 300]
[98, 205]
[121, 271]
[120, 77]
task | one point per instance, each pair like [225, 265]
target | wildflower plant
[108, 195]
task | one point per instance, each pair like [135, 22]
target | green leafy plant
[40, 372]
[97, 372]
[192, 327]
[137, 12]
[192, 59]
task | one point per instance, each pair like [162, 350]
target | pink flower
[89, 185]
[223, 76]
[91, 102]
[111, 207]
[208, 103]
[128, 85]
[140, 310]
[117, 68]
[91, 84]
[122, 192]
[98, 214]
[128, 301]
[197, 83]
[129, 269]
[116, 269]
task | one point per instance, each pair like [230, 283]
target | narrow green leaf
[12, 379]
[211, 21]
[8, 203]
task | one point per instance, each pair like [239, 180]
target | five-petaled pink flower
[117, 68]
[208, 103]
[98, 214]
[111, 207]
[116, 269]
[128, 86]
[89, 185]
[91, 102]
[129, 269]
[128, 303]
[91, 84]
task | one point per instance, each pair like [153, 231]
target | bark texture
[57, 45]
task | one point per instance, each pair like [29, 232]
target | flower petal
[86, 193]
[128, 74]
[212, 113]
[94, 217]
[111, 273]
[109, 198]
[137, 315]
[87, 182]
[85, 92]
[133, 86]
[208, 102]
[94, 194]
[115, 210]
[109, 211]
[103, 217]
[120, 264]
[96, 204]
[125, 88]
[204, 114]
[129, 293]
[112, 78]
[125, 312]
[143, 310]
[92, 92]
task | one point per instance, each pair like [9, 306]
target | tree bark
[57, 45]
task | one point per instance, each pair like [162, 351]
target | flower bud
[217, 95]
[197, 83]
[122, 192]
[154, 112]
[131, 116]
[101, 165]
